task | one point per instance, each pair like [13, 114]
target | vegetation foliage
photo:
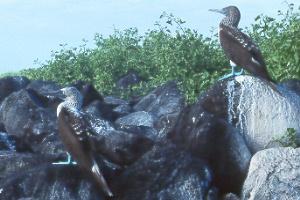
[172, 52]
[289, 139]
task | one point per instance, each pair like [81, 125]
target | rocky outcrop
[139, 118]
[25, 119]
[202, 128]
[33, 176]
[273, 174]
[165, 104]
[154, 147]
[261, 114]
[12, 84]
[165, 173]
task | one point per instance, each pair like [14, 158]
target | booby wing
[241, 50]
[75, 133]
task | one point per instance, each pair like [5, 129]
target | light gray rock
[140, 118]
[273, 174]
[260, 113]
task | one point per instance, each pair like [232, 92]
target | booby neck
[73, 101]
[232, 19]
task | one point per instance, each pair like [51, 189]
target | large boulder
[213, 139]
[43, 87]
[164, 173]
[261, 113]
[23, 118]
[122, 147]
[33, 176]
[114, 101]
[140, 118]
[231, 121]
[165, 104]
[12, 84]
[273, 174]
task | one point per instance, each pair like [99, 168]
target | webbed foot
[69, 161]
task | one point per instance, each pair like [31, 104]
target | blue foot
[239, 73]
[233, 73]
[67, 162]
[226, 76]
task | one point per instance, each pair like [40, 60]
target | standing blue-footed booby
[74, 132]
[239, 47]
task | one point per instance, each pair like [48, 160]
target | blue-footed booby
[74, 132]
[239, 47]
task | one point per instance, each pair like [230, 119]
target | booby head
[73, 100]
[232, 15]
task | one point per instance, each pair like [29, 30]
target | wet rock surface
[153, 147]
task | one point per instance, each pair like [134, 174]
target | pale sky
[30, 29]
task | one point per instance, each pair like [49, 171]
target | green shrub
[289, 138]
[171, 51]
[280, 42]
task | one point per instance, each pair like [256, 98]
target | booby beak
[217, 11]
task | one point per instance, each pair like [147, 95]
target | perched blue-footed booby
[239, 47]
[74, 132]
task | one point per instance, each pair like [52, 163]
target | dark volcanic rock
[203, 129]
[7, 142]
[2, 128]
[164, 104]
[231, 121]
[140, 118]
[13, 162]
[12, 84]
[129, 79]
[50, 101]
[164, 100]
[164, 173]
[122, 110]
[293, 85]
[43, 87]
[120, 147]
[114, 101]
[214, 101]
[88, 92]
[101, 110]
[23, 118]
[33, 176]
[147, 131]
[209, 156]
